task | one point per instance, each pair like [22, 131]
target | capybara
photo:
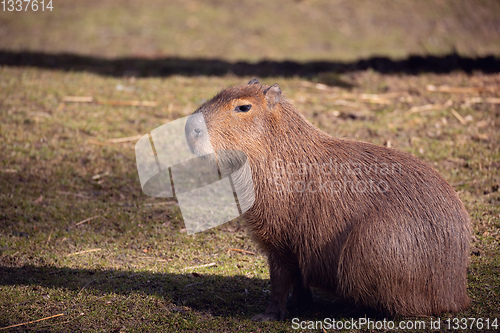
[373, 225]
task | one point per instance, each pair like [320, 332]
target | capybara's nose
[195, 126]
[197, 131]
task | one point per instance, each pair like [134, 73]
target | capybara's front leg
[301, 295]
[281, 283]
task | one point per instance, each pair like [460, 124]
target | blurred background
[249, 31]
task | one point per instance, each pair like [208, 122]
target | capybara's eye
[243, 108]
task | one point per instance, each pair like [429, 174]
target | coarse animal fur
[371, 224]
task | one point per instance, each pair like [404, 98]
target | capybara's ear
[273, 95]
[254, 81]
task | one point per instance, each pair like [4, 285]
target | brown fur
[399, 245]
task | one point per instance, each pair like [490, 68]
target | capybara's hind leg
[382, 269]
[404, 268]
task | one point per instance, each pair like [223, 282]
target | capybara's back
[371, 224]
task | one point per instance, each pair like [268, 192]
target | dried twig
[90, 99]
[31, 322]
[128, 103]
[492, 100]
[50, 236]
[242, 251]
[367, 98]
[126, 139]
[456, 90]
[389, 95]
[152, 204]
[111, 142]
[201, 266]
[78, 99]
[10, 170]
[377, 101]
[424, 108]
[375, 98]
[430, 107]
[100, 175]
[86, 220]
[321, 86]
[86, 285]
[489, 100]
[458, 116]
[82, 252]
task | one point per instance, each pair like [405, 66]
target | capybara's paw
[271, 316]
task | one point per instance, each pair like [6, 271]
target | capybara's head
[233, 119]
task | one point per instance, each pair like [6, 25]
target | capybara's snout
[196, 134]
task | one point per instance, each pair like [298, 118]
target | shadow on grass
[235, 296]
[160, 67]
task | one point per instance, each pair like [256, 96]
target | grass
[136, 280]
[130, 268]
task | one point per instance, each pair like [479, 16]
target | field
[82, 248]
